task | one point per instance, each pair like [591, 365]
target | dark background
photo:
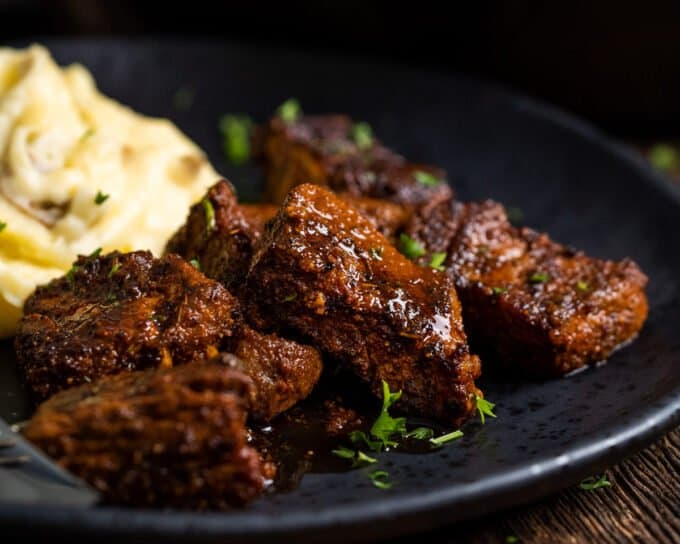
[616, 63]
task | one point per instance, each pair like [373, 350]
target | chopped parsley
[592, 483]
[209, 215]
[183, 98]
[70, 275]
[358, 458]
[511, 539]
[95, 253]
[427, 179]
[196, 264]
[485, 408]
[380, 479]
[409, 247]
[539, 277]
[376, 253]
[445, 438]
[236, 131]
[115, 267]
[499, 290]
[290, 111]
[290, 298]
[100, 198]
[3, 226]
[437, 261]
[582, 285]
[386, 426]
[362, 134]
[664, 157]
[420, 433]
[344, 453]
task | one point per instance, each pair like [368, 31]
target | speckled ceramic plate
[568, 179]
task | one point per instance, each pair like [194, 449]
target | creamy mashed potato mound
[79, 171]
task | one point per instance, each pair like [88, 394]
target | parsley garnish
[114, 268]
[499, 290]
[95, 253]
[539, 277]
[3, 226]
[100, 198]
[664, 157]
[289, 111]
[290, 298]
[385, 427]
[511, 539]
[443, 439]
[362, 134]
[358, 458]
[437, 261]
[427, 179]
[379, 479]
[420, 433]
[209, 215]
[344, 452]
[196, 264]
[183, 98]
[485, 408]
[376, 253]
[236, 131]
[70, 275]
[582, 285]
[409, 247]
[592, 483]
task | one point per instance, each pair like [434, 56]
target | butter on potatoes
[80, 171]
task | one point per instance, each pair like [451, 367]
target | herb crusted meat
[173, 437]
[323, 271]
[529, 302]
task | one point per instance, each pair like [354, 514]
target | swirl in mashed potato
[79, 171]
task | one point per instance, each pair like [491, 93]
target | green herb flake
[290, 298]
[386, 427]
[380, 479]
[409, 247]
[592, 483]
[100, 198]
[420, 433]
[360, 437]
[499, 290]
[539, 277]
[362, 459]
[362, 134]
[344, 453]
[485, 408]
[70, 275]
[515, 215]
[183, 98]
[445, 438]
[664, 157]
[236, 130]
[290, 111]
[511, 539]
[115, 267]
[427, 179]
[95, 253]
[582, 286]
[209, 215]
[3, 226]
[196, 264]
[437, 261]
[376, 253]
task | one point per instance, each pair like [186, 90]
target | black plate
[568, 179]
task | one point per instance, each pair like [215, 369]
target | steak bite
[120, 312]
[387, 217]
[528, 301]
[323, 271]
[326, 150]
[157, 438]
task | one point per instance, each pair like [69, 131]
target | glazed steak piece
[283, 372]
[157, 438]
[527, 301]
[120, 312]
[323, 271]
[219, 235]
[326, 150]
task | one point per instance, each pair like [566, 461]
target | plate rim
[417, 511]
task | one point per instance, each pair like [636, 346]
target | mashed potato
[79, 171]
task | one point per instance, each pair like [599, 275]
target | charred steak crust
[321, 150]
[120, 312]
[325, 272]
[529, 302]
[157, 438]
